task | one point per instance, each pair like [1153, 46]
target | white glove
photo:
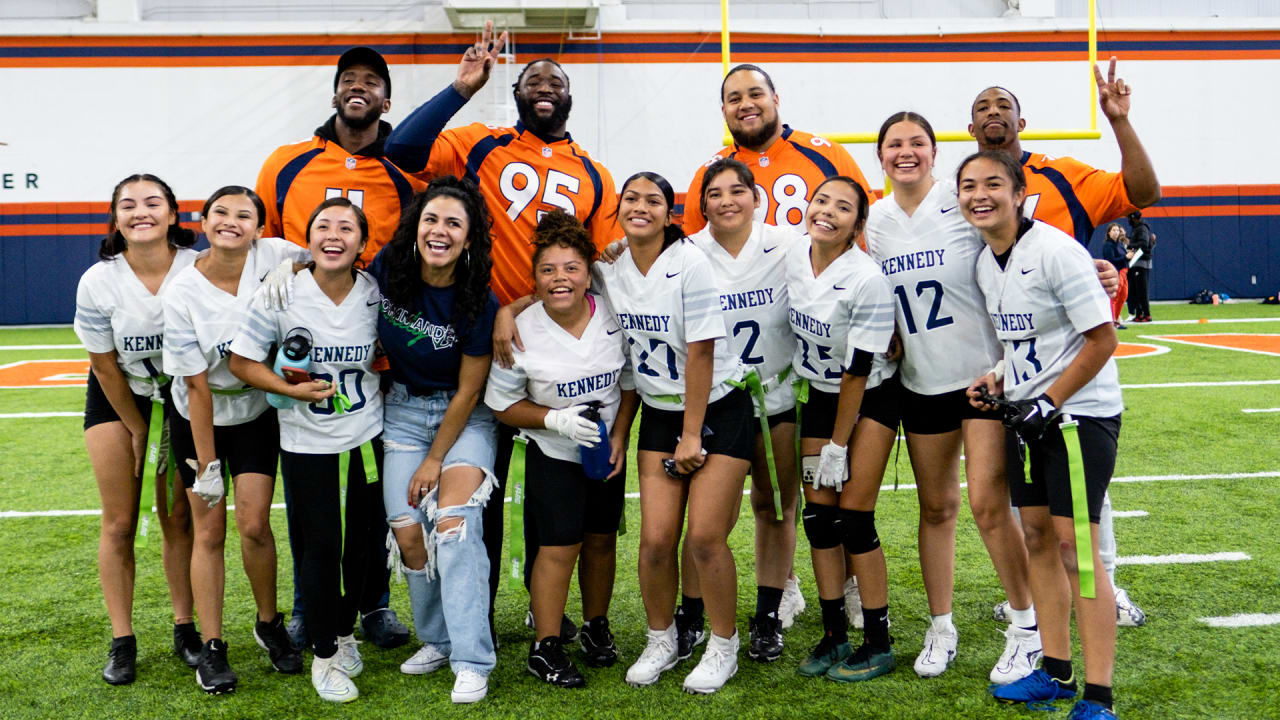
[570, 423]
[209, 483]
[833, 467]
[278, 286]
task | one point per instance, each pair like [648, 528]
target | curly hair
[560, 229]
[114, 243]
[470, 274]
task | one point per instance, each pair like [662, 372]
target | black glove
[1030, 418]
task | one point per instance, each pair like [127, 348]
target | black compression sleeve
[861, 365]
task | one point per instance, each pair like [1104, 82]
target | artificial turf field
[1179, 450]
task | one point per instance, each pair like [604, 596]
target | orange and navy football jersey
[296, 178]
[522, 177]
[786, 175]
[1072, 196]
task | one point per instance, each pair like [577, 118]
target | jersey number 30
[350, 384]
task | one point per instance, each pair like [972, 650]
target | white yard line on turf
[17, 416]
[1260, 410]
[41, 347]
[1243, 620]
[1129, 513]
[1193, 343]
[73, 513]
[1200, 384]
[1182, 558]
[1198, 321]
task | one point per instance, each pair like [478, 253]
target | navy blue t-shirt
[422, 344]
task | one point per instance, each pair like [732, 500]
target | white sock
[1023, 618]
[942, 622]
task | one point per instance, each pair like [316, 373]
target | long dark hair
[362, 222]
[862, 201]
[114, 243]
[724, 165]
[470, 274]
[1012, 170]
[226, 190]
[672, 232]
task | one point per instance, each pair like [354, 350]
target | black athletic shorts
[562, 503]
[1050, 478]
[818, 416]
[730, 419]
[98, 410]
[883, 403]
[776, 419]
[251, 447]
[941, 413]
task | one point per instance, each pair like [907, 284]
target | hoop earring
[466, 256]
[415, 251]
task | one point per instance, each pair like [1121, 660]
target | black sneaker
[766, 639]
[597, 643]
[213, 674]
[549, 663]
[568, 631]
[273, 638]
[689, 634]
[187, 643]
[384, 629]
[122, 661]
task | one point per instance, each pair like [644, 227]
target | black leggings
[313, 486]
[1139, 306]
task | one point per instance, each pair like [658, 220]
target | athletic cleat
[468, 687]
[383, 629]
[792, 603]
[1021, 651]
[427, 658]
[213, 673]
[689, 634]
[272, 637]
[1001, 612]
[659, 656]
[719, 663]
[568, 631]
[298, 635]
[766, 640]
[939, 650]
[1127, 613]
[187, 643]
[864, 664]
[597, 643]
[331, 681]
[824, 656]
[122, 661]
[853, 602]
[549, 663]
[1090, 710]
[349, 655]
[1037, 687]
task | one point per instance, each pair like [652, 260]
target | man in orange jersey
[788, 164]
[1076, 198]
[344, 158]
[523, 172]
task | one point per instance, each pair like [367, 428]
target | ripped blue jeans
[450, 596]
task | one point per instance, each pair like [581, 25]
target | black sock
[1060, 670]
[1100, 694]
[768, 599]
[875, 623]
[833, 619]
[691, 608]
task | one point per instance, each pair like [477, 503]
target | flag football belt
[370, 463]
[751, 383]
[1079, 499]
[155, 436]
[801, 389]
[514, 514]
[231, 391]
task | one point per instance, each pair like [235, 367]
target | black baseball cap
[363, 56]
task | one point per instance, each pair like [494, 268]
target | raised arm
[1140, 180]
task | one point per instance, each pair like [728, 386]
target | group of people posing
[476, 298]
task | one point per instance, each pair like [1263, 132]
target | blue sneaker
[1089, 710]
[1037, 687]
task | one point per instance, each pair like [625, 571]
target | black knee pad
[820, 526]
[858, 531]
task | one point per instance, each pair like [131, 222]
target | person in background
[1141, 240]
[1115, 250]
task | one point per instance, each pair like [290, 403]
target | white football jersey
[557, 370]
[1041, 303]
[929, 258]
[847, 307]
[201, 320]
[115, 311]
[343, 340]
[677, 303]
[753, 297]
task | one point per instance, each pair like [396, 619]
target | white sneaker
[659, 656]
[331, 681]
[1001, 612]
[939, 650]
[349, 655]
[470, 686]
[1021, 650]
[719, 663]
[792, 603]
[1128, 614]
[853, 602]
[427, 658]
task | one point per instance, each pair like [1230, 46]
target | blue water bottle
[293, 362]
[595, 460]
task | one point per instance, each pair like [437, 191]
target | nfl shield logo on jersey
[351, 163]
